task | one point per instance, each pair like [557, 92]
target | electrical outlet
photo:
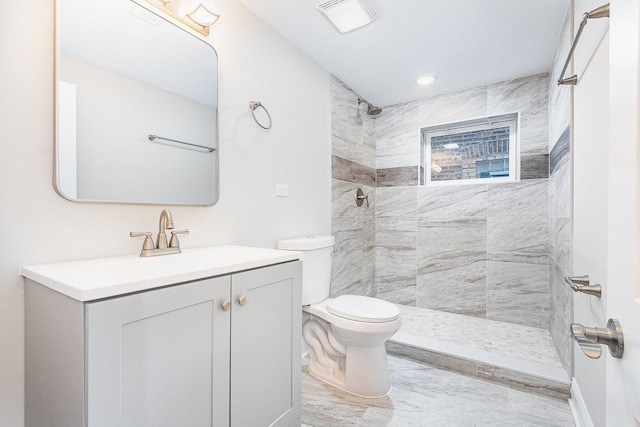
[282, 190]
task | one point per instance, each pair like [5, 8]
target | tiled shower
[494, 251]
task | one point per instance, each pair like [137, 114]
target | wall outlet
[282, 190]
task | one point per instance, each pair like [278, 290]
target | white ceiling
[466, 43]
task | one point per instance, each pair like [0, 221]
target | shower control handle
[242, 300]
[590, 339]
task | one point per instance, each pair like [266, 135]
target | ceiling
[466, 43]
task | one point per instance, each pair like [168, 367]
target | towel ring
[253, 106]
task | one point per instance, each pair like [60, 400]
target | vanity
[207, 337]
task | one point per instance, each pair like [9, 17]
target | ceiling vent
[348, 15]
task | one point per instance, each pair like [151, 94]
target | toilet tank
[317, 254]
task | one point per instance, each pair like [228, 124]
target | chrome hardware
[360, 197]
[186, 144]
[600, 12]
[161, 247]
[147, 245]
[590, 338]
[174, 243]
[166, 222]
[253, 105]
[242, 300]
[226, 306]
[581, 284]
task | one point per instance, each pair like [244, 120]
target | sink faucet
[161, 247]
[166, 222]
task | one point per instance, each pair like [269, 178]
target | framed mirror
[136, 107]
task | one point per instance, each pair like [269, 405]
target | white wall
[39, 226]
[590, 190]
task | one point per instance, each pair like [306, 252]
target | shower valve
[590, 339]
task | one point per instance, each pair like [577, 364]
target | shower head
[371, 109]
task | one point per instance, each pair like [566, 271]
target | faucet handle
[174, 243]
[148, 241]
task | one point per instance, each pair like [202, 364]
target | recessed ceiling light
[425, 79]
[348, 15]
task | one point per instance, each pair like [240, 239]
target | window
[473, 151]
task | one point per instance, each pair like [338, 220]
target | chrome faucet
[161, 247]
[166, 222]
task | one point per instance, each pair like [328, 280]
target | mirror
[123, 73]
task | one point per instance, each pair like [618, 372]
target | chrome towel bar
[188, 144]
[601, 12]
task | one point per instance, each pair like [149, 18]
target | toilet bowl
[346, 335]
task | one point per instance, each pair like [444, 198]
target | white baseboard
[579, 407]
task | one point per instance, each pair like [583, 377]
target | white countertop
[92, 279]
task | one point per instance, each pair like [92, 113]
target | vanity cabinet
[221, 351]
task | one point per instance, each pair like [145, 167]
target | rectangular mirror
[136, 115]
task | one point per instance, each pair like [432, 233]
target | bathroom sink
[93, 279]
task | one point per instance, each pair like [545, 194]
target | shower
[371, 109]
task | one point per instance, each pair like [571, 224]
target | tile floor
[426, 396]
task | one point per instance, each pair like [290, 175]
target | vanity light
[193, 13]
[203, 17]
[426, 79]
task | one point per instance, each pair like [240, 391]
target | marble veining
[529, 97]
[422, 395]
[452, 201]
[453, 107]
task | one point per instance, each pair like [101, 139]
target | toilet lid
[363, 309]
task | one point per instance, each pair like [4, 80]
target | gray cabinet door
[265, 346]
[160, 358]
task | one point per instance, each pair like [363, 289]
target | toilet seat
[363, 309]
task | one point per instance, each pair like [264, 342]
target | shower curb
[527, 376]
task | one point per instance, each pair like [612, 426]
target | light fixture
[193, 13]
[452, 146]
[425, 79]
[348, 15]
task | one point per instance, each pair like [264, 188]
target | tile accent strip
[560, 152]
[347, 170]
[534, 166]
[396, 177]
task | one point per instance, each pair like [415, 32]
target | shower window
[472, 151]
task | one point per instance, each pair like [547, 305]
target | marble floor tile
[422, 395]
[523, 342]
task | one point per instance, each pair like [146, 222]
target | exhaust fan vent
[348, 15]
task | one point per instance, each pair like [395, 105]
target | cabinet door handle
[242, 300]
[226, 306]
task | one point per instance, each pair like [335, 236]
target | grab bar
[581, 284]
[601, 12]
[188, 144]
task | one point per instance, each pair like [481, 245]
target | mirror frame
[56, 155]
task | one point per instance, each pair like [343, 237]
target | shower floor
[520, 357]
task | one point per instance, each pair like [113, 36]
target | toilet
[345, 335]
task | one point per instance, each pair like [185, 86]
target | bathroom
[42, 227]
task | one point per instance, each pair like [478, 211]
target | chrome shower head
[371, 109]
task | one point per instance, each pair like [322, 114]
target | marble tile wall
[353, 167]
[479, 250]
[560, 197]
[485, 250]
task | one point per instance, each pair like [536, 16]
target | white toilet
[345, 335]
